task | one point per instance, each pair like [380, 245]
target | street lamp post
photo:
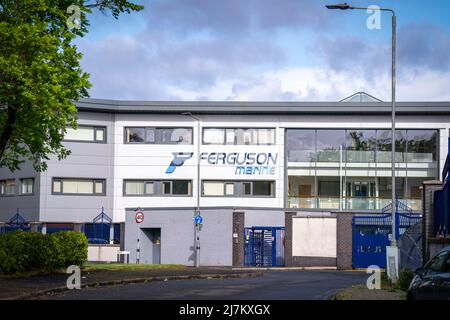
[197, 211]
[346, 6]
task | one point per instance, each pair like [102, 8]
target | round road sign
[139, 217]
[198, 219]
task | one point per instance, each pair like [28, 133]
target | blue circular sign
[198, 220]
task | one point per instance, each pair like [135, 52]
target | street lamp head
[342, 6]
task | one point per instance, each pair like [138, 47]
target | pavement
[272, 285]
[35, 286]
[360, 292]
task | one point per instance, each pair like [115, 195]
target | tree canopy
[40, 74]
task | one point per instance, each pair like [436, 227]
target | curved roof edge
[257, 107]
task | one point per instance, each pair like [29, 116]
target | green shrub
[404, 279]
[71, 248]
[26, 251]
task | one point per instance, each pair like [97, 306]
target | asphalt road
[273, 285]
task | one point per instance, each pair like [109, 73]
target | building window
[422, 146]
[8, 187]
[74, 186]
[321, 176]
[215, 188]
[239, 136]
[361, 145]
[143, 135]
[157, 188]
[301, 145]
[85, 134]
[180, 187]
[262, 188]
[238, 188]
[329, 145]
[27, 186]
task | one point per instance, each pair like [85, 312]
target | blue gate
[264, 246]
[372, 233]
[17, 222]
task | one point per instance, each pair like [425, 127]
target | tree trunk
[7, 131]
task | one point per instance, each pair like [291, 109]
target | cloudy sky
[267, 50]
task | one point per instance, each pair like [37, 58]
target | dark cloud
[235, 17]
[151, 66]
[200, 63]
[418, 46]
[353, 54]
[424, 45]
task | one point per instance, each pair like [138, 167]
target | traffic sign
[198, 219]
[139, 217]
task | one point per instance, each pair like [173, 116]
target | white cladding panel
[218, 162]
[314, 237]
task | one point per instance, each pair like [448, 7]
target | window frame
[224, 143]
[21, 187]
[157, 135]
[238, 186]
[94, 181]
[95, 128]
[3, 188]
[157, 187]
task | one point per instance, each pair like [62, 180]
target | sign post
[139, 218]
[198, 220]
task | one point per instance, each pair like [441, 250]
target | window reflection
[329, 143]
[360, 145]
[422, 145]
[301, 145]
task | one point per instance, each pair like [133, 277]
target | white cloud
[322, 84]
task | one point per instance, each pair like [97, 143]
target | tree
[40, 74]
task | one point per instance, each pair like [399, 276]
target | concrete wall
[177, 236]
[264, 218]
[103, 253]
[310, 240]
[314, 237]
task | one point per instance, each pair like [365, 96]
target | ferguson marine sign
[245, 162]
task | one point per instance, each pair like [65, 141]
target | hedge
[28, 251]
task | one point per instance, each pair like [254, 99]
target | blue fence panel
[264, 246]
[97, 233]
[53, 228]
[442, 201]
[17, 222]
[371, 235]
[442, 210]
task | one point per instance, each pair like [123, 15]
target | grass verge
[129, 267]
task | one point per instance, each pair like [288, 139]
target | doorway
[151, 246]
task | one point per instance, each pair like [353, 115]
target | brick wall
[344, 240]
[238, 242]
[288, 259]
